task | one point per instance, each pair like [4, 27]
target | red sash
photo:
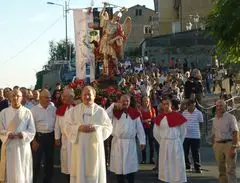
[173, 118]
[133, 113]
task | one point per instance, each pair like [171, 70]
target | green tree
[57, 50]
[224, 24]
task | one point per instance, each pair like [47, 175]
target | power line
[33, 41]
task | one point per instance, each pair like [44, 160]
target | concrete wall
[200, 60]
[194, 46]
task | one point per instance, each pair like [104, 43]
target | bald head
[89, 88]
[45, 98]
[69, 91]
[44, 92]
[68, 96]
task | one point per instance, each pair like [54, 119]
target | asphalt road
[146, 175]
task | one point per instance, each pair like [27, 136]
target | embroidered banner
[84, 38]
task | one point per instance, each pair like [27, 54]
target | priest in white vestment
[88, 125]
[169, 130]
[17, 130]
[60, 131]
[126, 127]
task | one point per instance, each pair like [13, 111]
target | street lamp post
[65, 12]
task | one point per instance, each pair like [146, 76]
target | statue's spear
[113, 5]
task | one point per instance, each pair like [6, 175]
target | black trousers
[68, 178]
[46, 148]
[150, 140]
[156, 146]
[194, 144]
[107, 147]
[130, 178]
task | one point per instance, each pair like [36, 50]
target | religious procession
[106, 114]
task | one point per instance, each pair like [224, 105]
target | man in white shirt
[44, 116]
[192, 140]
[225, 136]
[146, 87]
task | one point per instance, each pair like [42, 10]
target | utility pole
[66, 30]
[65, 14]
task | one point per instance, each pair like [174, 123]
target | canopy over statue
[113, 38]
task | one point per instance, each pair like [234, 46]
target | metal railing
[233, 107]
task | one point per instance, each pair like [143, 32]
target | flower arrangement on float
[104, 96]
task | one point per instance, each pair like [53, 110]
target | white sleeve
[110, 111]
[140, 132]
[29, 133]
[156, 133]
[106, 125]
[57, 129]
[71, 126]
[54, 114]
[233, 123]
[183, 132]
[3, 128]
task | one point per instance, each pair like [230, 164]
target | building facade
[175, 15]
[195, 46]
[142, 26]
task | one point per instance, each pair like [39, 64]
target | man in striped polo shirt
[192, 140]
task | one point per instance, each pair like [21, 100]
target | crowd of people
[95, 138]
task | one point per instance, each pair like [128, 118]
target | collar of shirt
[193, 111]
[224, 114]
[48, 107]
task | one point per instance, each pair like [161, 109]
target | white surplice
[18, 151]
[124, 157]
[88, 155]
[60, 133]
[171, 154]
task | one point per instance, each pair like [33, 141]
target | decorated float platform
[107, 91]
